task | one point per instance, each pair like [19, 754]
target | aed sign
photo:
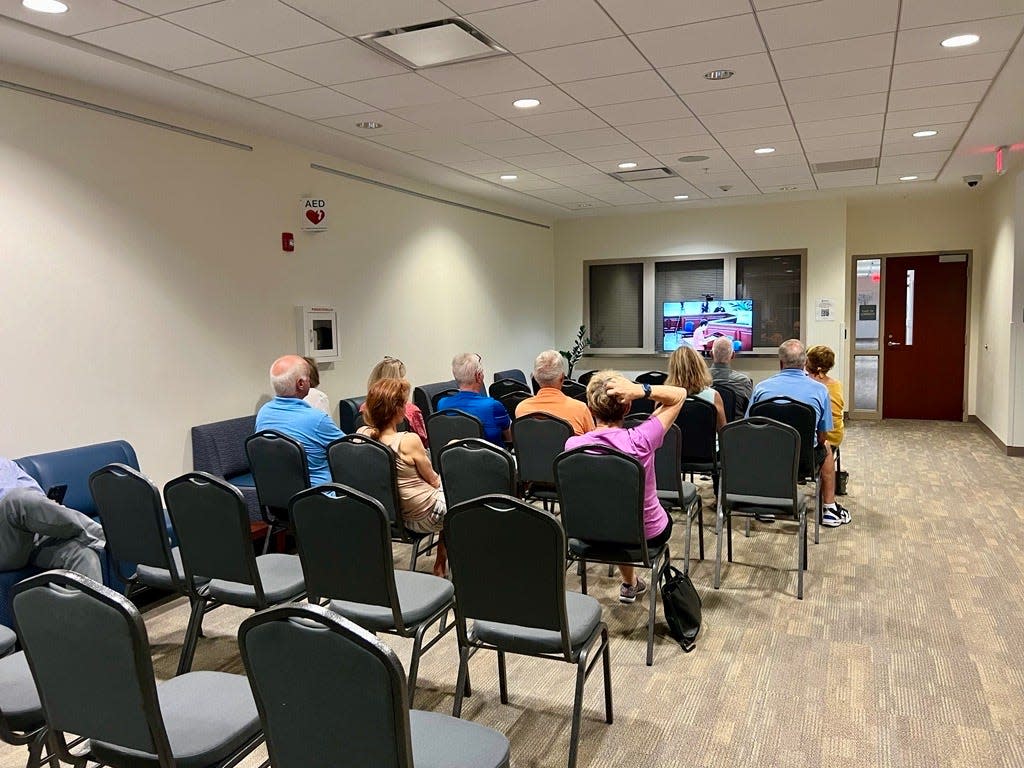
[313, 214]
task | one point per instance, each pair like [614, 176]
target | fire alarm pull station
[287, 242]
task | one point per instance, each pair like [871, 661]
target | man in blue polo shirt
[289, 414]
[468, 371]
[792, 381]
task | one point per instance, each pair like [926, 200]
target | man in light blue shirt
[792, 381]
[468, 371]
[289, 414]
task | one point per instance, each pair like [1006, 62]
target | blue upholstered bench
[219, 448]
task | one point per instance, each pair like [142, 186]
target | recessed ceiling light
[680, 197]
[508, 177]
[369, 124]
[719, 74]
[526, 103]
[627, 166]
[959, 41]
[924, 134]
[45, 6]
[787, 189]
[692, 158]
[908, 178]
[764, 150]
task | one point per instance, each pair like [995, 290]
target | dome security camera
[972, 181]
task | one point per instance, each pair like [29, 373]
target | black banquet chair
[538, 438]
[698, 423]
[503, 387]
[511, 373]
[521, 610]
[279, 470]
[95, 680]
[21, 714]
[512, 399]
[447, 425]
[330, 694]
[729, 402]
[575, 390]
[423, 395]
[652, 377]
[474, 467]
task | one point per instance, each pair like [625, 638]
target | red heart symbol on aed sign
[315, 216]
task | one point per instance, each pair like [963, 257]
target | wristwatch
[647, 390]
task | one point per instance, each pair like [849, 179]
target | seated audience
[722, 375]
[792, 381]
[687, 369]
[393, 368]
[37, 530]
[291, 415]
[821, 360]
[315, 397]
[549, 371]
[468, 372]
[609, 395]
[419, 486]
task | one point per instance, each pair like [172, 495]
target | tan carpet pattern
[906, 651]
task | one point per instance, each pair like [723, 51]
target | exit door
[925, 337]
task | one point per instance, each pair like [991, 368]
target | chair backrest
[575, 390]
[368, 466]
[89, 654]
[503, 387]
[666, 458]
[474, 467]
[601, 496]
[584, 378]
[450, 424]
[348, 410]
[698, 421]
[538, 438]
[132, 517]
[325, 687]
[728, 395]
[489, 538]
[344, 542]
[279, 467]
[423, 395]
[760, 458]
[511, 399]
[512, 373]
[212, 524]
[219, 448]
[437, 397]
[652, 377]
[801, 417]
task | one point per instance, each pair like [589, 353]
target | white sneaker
[831, 518]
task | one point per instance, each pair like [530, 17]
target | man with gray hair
[468, 372]
[722, 375]
[549, 371]
[792, 381]
[289, 414]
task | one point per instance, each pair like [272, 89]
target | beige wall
[144, 289]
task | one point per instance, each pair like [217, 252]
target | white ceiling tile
[729, 186]
[911, 146]
[564, 197]
[718, 163]
[862, 178]
[841, 141]
[843, 154]
[589, 186]
[600, 137]
[247, 77]
[764, 5]
[759, 136]
[407, 141]
[551, 100]
[751, 118]
[452, 153]
[930, 13]
[608, 158]
[624, 195]
[664, 129]
[893, 178]
[472, 6]
[798, 187]
[514, 147]
[752, 69]
[315, 104]
[735, 99]
[744, 155]
[583, 61]
[855, 83]
[544, 160]
[839, 56]
[572, 174]
[359, 17]
[160, 43]
[158, 7]
[923, 118]
[481, 167]
[80, 17]
[443, 115]
[679, 145]
[340, 61]
[630, 113]
[826, 20]
[867, 104]
[774, 177]
[840, 126]
[616, 89]
[524, 181]
[706, 41]
[488, 130]
[253, 26]
[962, 69]
[560, 122]
[764, 162]
[494, 75]
[997, 35]
[390, 125]
[924, 162]
[946, 138]
[657, 14]
[397, 91]
[938, 95]
[544, 24]
[667, 189]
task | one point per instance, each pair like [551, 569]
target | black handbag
[682, 607]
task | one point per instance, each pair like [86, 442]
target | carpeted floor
[906, 651]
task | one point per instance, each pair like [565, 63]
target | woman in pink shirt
[609, 394]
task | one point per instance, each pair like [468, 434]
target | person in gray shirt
[722, 375]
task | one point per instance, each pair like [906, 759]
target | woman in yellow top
[820, 360]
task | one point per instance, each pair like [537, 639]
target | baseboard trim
[1009, 450]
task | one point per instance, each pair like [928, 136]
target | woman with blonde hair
[687, 369]
[393, 368]
[821, 360]
[419, 486]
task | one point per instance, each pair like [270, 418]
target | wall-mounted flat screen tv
[699, 322]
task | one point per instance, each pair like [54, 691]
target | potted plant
[576, 351]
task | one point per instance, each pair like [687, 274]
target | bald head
[792, 354]
[289, 376]
[721, 350]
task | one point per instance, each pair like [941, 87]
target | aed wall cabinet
[317, 329]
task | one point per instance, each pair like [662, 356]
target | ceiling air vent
[644, 174]
[433, 44]
[845, 165]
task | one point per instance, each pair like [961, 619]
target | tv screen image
[699, 322]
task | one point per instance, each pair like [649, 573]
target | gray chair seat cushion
[756, 505]
[441, 741]
[208, 716]
[689, 495]
[160, 578]
[7, 639]
[420, 596]
[610, 553]
[281, 576]
[19, 701]
[584, 614]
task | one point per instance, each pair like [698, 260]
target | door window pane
[869, 284]
[908, 335]
[865, 383]
[773, 282]
[616, 305]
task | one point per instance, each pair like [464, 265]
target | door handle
[892, 344]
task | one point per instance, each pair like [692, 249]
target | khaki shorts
[433, 521]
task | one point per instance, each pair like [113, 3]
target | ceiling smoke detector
[433, 43]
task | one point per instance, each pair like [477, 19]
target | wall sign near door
[825, 310]
[867, 312]
[313, 214]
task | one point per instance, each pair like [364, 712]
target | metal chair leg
[800, 550]
[414, 661]
[502, 678]
[686, 556]
[653, 588]
[577, 708]
[718, 558]
[700, 526]
[583, 576]
[462, 683]
[188, 648]
[607, 664]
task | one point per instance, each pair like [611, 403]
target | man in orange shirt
[549, 371]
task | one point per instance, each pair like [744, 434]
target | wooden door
[925, 337]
